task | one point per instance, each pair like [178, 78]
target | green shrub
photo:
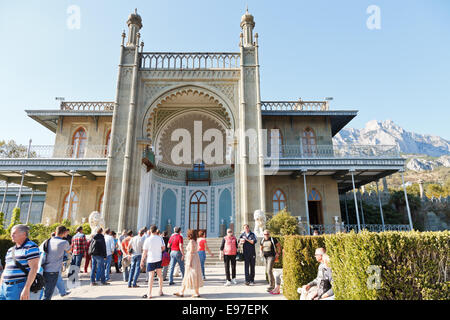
[299, 263]
[2, 223]
[414, 265]
[5, 244]
[283, 224]
[15, 219]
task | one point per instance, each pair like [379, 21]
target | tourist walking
[135, 248]
[110, 246]
[248, 241]
[121, 238]
[55, 249]
[126, 256]
[202, 248]
[116, 251]
[193, 273]
[229, 250]
[79, 248]
[165, 237]
[15, 282]
[87, 257]
[176, 253]
[152, 256]
[270, 249]
[97, 250]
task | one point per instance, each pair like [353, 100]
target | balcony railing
[61, 152]
[334, 151]
[192, 60]
[87, 106]
[294, 105]
[192, 175]
[334, 228]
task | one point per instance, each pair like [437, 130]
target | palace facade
[128, 158]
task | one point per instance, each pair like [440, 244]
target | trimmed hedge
[413, 265]
[5, 244]
[38, 234]
[299, 263]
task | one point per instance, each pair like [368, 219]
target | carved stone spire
[247, 25]
[134, 25]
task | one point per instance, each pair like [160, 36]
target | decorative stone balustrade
[192, 60]
[294, 105]
[61, 152]
[87, 106]
[335, 151]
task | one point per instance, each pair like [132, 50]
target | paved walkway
[213, 288]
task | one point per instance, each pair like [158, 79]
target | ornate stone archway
[186, 98]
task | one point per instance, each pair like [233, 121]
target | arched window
[278, 200]
[107, 142]
[309, 142]
[100, 204]
[314, 195]
[198, 211]
[79, 143]
[276, 134]
[70, 209]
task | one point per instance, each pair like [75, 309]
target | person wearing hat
[310, 290]
[56, 247]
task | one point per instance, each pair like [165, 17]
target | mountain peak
[388, 133]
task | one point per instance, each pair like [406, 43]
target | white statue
[95, 221]
[260, 222]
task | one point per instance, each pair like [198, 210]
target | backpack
[274, 248]
[165, 259]
[92, 246]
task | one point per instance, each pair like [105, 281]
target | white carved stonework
[249, 74]
[96, 221]
[227, 89]
[186, 99]
[260, 222]
[152, 90]
[191, 74]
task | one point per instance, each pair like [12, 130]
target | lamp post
[406, 199]
[356, 202]
[72, 173]
[22, 172]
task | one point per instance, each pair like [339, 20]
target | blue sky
[308, 49]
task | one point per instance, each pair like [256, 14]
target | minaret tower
[134, 25]
[251, 173]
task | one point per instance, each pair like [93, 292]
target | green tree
[15, 219]
[283, 223]
[11, 149]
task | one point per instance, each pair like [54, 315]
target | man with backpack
[54, 248]
[97, 250]
[270, 248]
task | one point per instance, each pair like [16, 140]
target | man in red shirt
[79, 247]
[176, 253]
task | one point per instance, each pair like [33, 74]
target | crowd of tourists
[33, 272]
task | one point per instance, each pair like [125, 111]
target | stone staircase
[214, 246]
